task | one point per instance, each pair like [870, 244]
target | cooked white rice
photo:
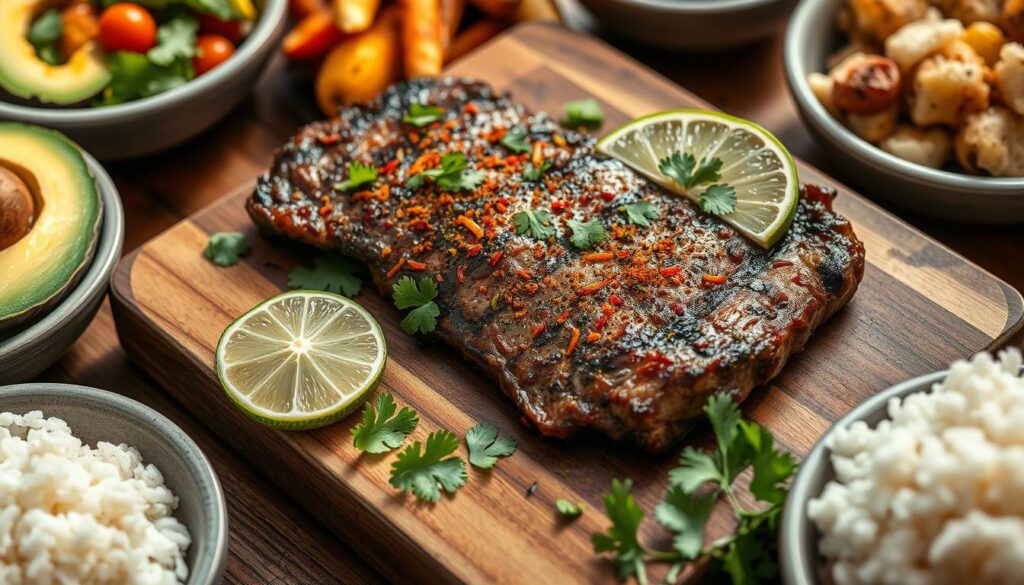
[935, 494]
[70, 513]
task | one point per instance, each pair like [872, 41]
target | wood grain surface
[919, 307]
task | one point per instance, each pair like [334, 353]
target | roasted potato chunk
[992, 142]
[1009, 76]
[877, 19]
[822, 85]
[968, 11]
[986, 39]
[946, 90]
[1013, 19]
[930, 147]
[874, 127]
[915, 41]
[865, 84]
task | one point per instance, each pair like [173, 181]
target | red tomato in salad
[229, 29]
[127, 27]
[211, 51]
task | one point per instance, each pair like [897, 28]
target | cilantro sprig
[486, 445]
[383, 429]
[420, 115]
[452, 175]
[567, 508]
[748, 556]
[587, 234]
[224, 248]
[420, 297]
[535, 222]
[717, 198]
[331, 273]
[515, 140]
[176, 39]
[640, 213]
[425, 471]
[359, 175]
[583, 114]
[532, 173]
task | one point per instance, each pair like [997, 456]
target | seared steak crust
[628, 337]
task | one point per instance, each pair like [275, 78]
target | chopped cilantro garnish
[515, 140]
[587, 234]
[331, 273]
[535, 222]
[176, 39]
[224, 248]
[621, 537]
[486, 445]
[583, 113]
[719, 199]
[567, 508]
[358, 176]
[425, 472]
[450, 176]
[384, 430]
[640, 213]
[134, 76]
[532, 173]
[407, 294]
[420, 115]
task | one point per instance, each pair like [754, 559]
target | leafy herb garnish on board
[426, 471]
[224, 248]
[384, 429]
[330, 273]
[486, 445]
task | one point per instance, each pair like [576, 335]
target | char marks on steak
[629, 337]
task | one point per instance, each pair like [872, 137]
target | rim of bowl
[108, 252]
[700, 6]
[259, 40]
[214, 509]
[798, 563]
[803, 21]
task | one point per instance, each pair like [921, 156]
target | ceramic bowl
[798, 538]
[692, 25]
[97, 415]
[159, 122]
[810, 38]
[28, 351]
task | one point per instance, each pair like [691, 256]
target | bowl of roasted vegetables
[921, 102]
[128, 78]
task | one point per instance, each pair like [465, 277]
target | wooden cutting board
[919, 307]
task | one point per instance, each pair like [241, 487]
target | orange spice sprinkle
[470, 225]
[558, 140]
[607, 309]
[538, 329]
[523, 274]
[593, 336]
[394, 269]
[537, 156]
[597, 257]
[385, 251]
[474, 250]
[671, 270]
[470, 108]
[414, 265]
[714, 278]
[573, 340]
[619, 333]
[495, 258]
[593, 287]
[562, 318]
[615, 300]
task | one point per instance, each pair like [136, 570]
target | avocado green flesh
[40, 267]
[24, 74]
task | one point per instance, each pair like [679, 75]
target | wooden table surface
[273, 540]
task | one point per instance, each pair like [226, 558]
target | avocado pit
[17, 207]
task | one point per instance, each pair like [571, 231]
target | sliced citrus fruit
[302, 359]
[754, 163]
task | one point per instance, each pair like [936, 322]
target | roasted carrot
[421, 37]
[313, 36]
[471, 38]
[362, 65]
[355, 16]
[451, 17]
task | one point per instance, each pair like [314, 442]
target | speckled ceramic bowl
[159, 122]
[26, 352]
[810, 38]
[97, 415]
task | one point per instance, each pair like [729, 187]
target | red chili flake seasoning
[389, 168]
[474, 250]
[470, 108]
[573, 340]
[524, 274]
[329, 139]
[303, 212]
[618, 334]
[714, 279]
[417, 266]
[601, 322]
[607, 309]
[460, 273]
[394, 269]
[538, 329]
[562, 318]
[615, 300]
[671, 270]
[558, 206]
[676, 308]
[495, 258]
[607, 196]
[781, 263]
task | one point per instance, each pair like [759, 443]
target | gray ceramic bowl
[810, 38]
[97, 415]
[692, 25]
[156, 123]
[28, 351]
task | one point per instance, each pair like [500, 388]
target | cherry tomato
[229, 29]
[211, 50]
[127, 27]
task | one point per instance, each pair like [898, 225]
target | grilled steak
[630, 336]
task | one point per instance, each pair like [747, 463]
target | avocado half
[37, 270]
[24, 74]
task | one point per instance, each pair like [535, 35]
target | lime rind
[762, 216]
[316, 370]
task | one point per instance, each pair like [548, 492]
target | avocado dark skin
[17, 208]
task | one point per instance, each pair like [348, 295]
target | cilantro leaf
[44, 33]
[134, 76]
[678, 167]
[406, 293]
[750, 558]
[486, 445]
[224, 248]
[567, 508]
[621, 536]
[331, 273]
[420, 115]
[515, 140]
[176, 39]
[640, 213]
[718, 199]
[725, 418]
[587, 234]
[583, 113]
[426, 472]
[707, 172]
[358, 176]
[695, 469]
[771, 467]
[383, 430]
[532, 173]
[685, 515]
[450, 176]
[535, 222]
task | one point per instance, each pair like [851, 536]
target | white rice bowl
[935, 494]
[70, 513]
